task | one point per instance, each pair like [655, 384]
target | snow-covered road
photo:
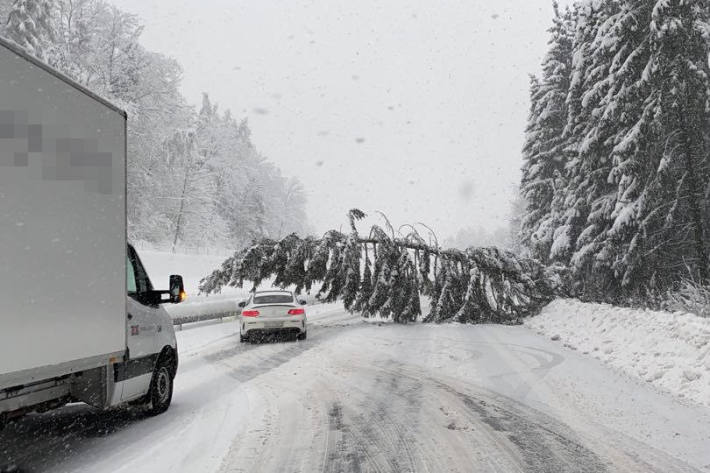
[365, 397]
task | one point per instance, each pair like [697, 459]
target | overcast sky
[413, 108]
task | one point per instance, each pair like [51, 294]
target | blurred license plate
[273, 325]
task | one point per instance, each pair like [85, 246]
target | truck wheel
[161, 388]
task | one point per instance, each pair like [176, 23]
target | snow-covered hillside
[669, 350]
[161, 264]
[193, 267]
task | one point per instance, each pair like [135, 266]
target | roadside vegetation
[616, 171]
[195, 179]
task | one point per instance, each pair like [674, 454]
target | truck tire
[161, 388]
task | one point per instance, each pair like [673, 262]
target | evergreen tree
[660, 228]
[351, 262]
[586, 202]
[628, 209]
[476, 285]
[543, 153]
[681, 45]
[363, 296]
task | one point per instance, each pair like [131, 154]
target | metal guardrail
[191, 319]
[178, 321]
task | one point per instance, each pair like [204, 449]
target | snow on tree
[245, 196]
[645, 215]
[190, 189]
[543, 152]
[660, 161]
[629, 211]
[386, 274]
[29, 25]
[5, 8]
[611, 57]
[582, 201]
[253, 197]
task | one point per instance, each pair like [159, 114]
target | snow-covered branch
[471, 286]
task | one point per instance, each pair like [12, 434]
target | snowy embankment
[669, 350]
[193, 267]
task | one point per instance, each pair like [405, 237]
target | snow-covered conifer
[29, 25]
[543, 152]
[587, 199]
[660, 159]
[479, 284]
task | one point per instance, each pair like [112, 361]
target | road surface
[368, 397]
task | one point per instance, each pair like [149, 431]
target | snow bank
[669, 350]
[193, 267]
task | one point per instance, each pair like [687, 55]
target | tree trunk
[178, 224]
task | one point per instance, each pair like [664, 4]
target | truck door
[143, 325]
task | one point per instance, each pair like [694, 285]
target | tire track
[351, 447]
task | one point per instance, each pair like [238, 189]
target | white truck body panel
[62, 224]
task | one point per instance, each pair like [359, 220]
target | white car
[272, 312]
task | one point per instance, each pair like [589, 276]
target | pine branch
[475, 285]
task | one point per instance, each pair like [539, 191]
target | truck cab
[151, 346]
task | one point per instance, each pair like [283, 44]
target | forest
[195, 179]
[616, 174]
[615, 185]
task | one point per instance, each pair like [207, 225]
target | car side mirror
[242, 303]
[302, 301]
[177, 289]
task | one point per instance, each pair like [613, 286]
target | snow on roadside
[192, 267]
[669, 350]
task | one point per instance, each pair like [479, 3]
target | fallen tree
[385, 274]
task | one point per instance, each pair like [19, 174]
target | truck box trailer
[79, 319]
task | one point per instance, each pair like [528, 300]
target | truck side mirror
[177, 289]
[242, 303]
[302, 301]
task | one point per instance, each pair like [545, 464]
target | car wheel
[160, 393]
[302, 335]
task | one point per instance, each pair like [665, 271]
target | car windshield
[272, 299]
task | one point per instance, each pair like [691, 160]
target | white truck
[79, 318]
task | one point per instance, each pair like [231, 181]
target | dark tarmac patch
[545, 446]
